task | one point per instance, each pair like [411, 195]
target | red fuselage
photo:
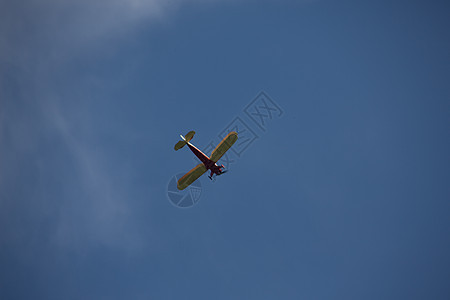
[209, 164]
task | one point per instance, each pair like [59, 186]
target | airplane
[208, 163]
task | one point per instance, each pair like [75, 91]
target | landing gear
[216, 173]
[222, 172]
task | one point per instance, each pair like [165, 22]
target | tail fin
[184, 141]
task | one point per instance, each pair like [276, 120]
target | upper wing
[223, 146]
[191, 176]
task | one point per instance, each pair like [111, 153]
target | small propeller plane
[208, 163]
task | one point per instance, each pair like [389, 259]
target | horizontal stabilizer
[179, 145]
[189, 136]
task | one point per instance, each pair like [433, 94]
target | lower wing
[191, 176]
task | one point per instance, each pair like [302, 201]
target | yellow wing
[191, 176]
[223, 146]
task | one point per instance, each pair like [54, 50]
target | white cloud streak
[36, 38]
[56, 27]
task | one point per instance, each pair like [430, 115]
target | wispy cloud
[55, 29]
[101, 215]
[52, 172]
[36, 38]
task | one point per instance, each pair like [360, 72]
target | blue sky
[345, 196]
